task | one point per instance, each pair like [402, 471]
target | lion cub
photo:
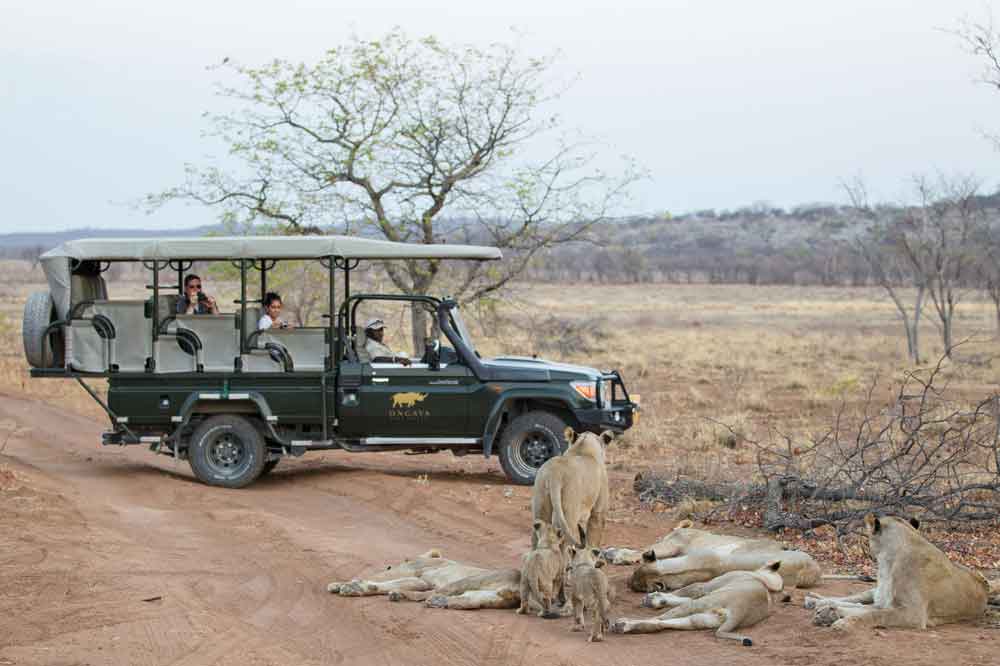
[542, 573]
[589, 591]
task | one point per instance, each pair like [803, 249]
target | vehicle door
[416, 401]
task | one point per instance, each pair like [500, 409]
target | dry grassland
[758, 359]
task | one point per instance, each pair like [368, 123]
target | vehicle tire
[39, 312]
[227, 451]
[527, 442]
[268, 466]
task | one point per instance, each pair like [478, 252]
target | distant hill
[759, 244]
[12, 244]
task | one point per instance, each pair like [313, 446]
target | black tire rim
[531, 451]
[227, 454]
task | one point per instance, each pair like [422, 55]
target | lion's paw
[843, 624]
[825, 616]
[437, 601]
[352, 589]
[648, 600]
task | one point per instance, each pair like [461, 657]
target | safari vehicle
[234, 401]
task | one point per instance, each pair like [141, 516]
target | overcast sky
[725, 102]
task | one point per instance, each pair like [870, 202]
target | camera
[202, 297]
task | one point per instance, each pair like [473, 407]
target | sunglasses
[194, 286]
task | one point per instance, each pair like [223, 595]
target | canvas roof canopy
[56, 262]
[261, 247]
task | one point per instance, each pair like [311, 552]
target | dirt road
[116, 556]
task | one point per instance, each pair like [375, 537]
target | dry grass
[755, 358]
[712, 362]
[699, 355]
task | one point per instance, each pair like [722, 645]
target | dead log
[651, 487]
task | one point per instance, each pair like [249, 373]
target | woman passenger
[272, 310]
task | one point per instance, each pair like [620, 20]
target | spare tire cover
[39, 312]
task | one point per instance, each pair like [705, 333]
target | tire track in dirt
[242, 574]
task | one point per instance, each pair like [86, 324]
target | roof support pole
[334, 337]
[243, 306]
[347, 279]
[156, 301]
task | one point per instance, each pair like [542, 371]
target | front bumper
[618, 420]
[617, 411]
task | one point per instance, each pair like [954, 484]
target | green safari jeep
[233, 400]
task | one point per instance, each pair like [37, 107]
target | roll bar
[340, 321]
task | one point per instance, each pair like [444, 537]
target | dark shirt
[200, 308]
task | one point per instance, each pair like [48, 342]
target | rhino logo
[407, 399]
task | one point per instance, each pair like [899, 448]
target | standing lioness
[918, 586]
[571, 490]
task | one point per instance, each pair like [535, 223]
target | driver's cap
[374, 325]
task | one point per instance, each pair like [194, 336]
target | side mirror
[432, 354]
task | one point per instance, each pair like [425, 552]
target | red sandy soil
[117, 556]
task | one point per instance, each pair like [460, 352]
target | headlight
[585, 388]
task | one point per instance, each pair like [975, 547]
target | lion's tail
[558, 518]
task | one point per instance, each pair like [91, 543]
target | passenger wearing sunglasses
[194, 300]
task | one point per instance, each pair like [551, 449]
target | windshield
[459, 324]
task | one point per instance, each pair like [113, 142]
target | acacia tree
[383, 138]
[983, 41]
[934, 246]
[939, 238]
[989, 269]
[879, 248]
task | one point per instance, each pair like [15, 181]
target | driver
[377, 351]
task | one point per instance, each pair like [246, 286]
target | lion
[688, 555]
[726, 603]
[918, 586]
[679, 540]
[589, 591]
[542, 574]
[439, 583]
[571, 490]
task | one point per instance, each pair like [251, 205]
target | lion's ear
[607, 437]
[537, 525]
[915, 523]
[873, 523]
[572, 551]
[774, 566]
[569, 434]
[684, 524]
[559, 534]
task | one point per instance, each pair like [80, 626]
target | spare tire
[39, 312]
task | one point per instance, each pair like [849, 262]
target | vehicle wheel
[268, 466]
[39, 312]
[527, 442]
[227, 451]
